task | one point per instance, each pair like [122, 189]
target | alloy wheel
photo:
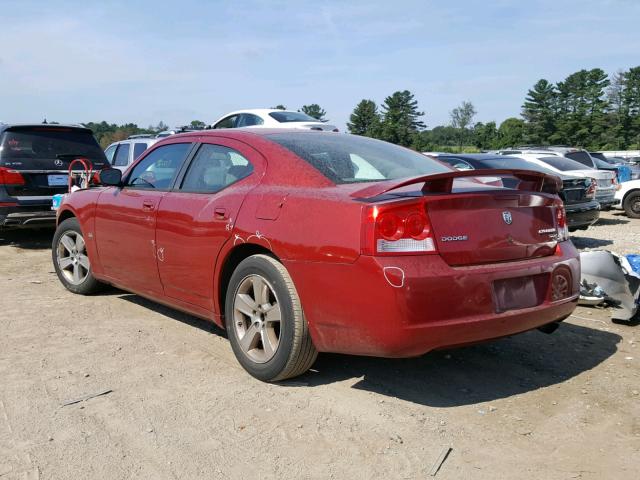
[257, 318]
[72, 258]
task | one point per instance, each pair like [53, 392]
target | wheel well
[626, 195]
[64, 215]
[237, 255]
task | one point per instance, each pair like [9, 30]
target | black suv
[34, 166]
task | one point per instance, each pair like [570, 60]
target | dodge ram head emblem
[506, 216]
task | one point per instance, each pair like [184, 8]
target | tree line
[587, 109]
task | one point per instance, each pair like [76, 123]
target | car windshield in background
[50, 143]
[286, 117]
[350, 158]
[564, 164]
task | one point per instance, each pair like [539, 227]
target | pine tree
[539, 110]
[401, 118]
[314, 110]
[365, 119]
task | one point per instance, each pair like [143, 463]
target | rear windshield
[49, 143]
[346, 158]
[582, 157]
[506, 163]
[562, 163]
[285, 117]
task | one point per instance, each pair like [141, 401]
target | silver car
[122, 154]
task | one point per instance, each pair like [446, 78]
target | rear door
[196, 218]
[125, 218]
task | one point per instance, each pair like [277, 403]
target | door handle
[220, 213]
[148, 205]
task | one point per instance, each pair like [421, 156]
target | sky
[146, 62]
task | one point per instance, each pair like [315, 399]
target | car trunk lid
[476, 223]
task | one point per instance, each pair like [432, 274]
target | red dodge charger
[300, 242]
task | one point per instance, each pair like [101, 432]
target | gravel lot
[556, 406]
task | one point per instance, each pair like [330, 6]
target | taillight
[397, 229]
[10, 177]
[614, 182]
[591, 189]
[561, 221]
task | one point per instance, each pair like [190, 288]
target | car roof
[259, 111]
[474, 156]
[8, 126]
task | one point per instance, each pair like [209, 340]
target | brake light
[561, 221]
[614, 182]
[10, 177]
[397, 229]
[591, 190]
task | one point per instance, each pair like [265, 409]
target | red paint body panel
[394, 306]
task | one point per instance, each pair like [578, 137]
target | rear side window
[50, 143]
[158, 169]
[456, 163]
[138, 148]
[122, 156]
[249, 120]
[215, 167]
[351, 158]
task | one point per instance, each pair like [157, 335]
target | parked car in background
[618, 161]
[217, 224]
[628, 198]
[581, 156]
[577, 193]
[272, 118]
[607, 183]
[122, 154]
[34, 166]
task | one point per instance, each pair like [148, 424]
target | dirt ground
[533, 406]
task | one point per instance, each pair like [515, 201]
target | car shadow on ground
[462, 376]
[27, 239]
[588, 242]
[190, 320]
[611, 221]
[475, 374]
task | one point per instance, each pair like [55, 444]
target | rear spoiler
[530, 180]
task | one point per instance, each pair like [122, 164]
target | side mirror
[111, 177]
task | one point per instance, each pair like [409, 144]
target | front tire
[70, 259]
[632, 205]
[265, 323]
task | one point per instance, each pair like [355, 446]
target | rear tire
[265, 323]
[632, 205]
[70, 259]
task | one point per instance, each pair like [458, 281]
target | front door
[196, 218]
[125, 219]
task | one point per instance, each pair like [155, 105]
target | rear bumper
[582, 215]
[407, 306]
[26, 211]
[606, 201]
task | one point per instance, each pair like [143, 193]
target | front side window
[158, 169]
[213, 168]
[122, 156]
[229, 122]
